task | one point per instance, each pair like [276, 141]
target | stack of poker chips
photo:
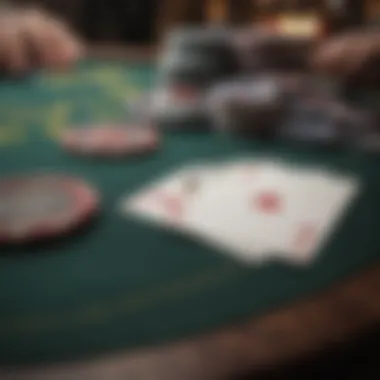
[199, 64]
[198, 57]
[191, 62]
[251, 82]
[248, 106]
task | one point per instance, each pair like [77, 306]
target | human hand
[32, 38]
[347, 56]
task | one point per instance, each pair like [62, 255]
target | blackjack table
[122, 297]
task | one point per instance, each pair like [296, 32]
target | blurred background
[145, 21]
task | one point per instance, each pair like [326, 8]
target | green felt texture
[120, 283]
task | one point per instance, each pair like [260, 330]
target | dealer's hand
[348, 55]
[30, 38]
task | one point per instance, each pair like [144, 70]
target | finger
[333, 57]
[62, 48]
[360, 53]
[367, 51]
[346, 57]
[70, 48]
[14, 49]
[51, 42]
[3, 45]
[325, 57]
[349, 54]
[36, 29]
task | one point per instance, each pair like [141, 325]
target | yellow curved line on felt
[132, 89]
[6, 135]
[11, 135]
[19, 121]
[121, 90]
[99, 111]
[77, 77]
[97, 312]
[115, 82]
[57, 120]
[58, 81]
[99, 75]
[118, 82]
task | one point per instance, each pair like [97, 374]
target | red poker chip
[39, 207]
[112, 141]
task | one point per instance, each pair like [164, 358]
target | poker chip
[112, 141]
[190, 37]
[39, 207]
[179, 108]
[139, 109]
[200, 56]
[252, 107]
[177, 98]
[191, 69]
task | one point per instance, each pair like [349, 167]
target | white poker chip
[176, 100]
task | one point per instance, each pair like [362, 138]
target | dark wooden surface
[337, 316]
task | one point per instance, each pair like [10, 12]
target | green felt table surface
[120, 283]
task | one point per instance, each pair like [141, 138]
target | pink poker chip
[38, 207]
[110, 141]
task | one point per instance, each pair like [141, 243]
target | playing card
[298, 210]
[161, 203]
[278, 212]
[220, 213]
[165, 201]
[254, 210]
